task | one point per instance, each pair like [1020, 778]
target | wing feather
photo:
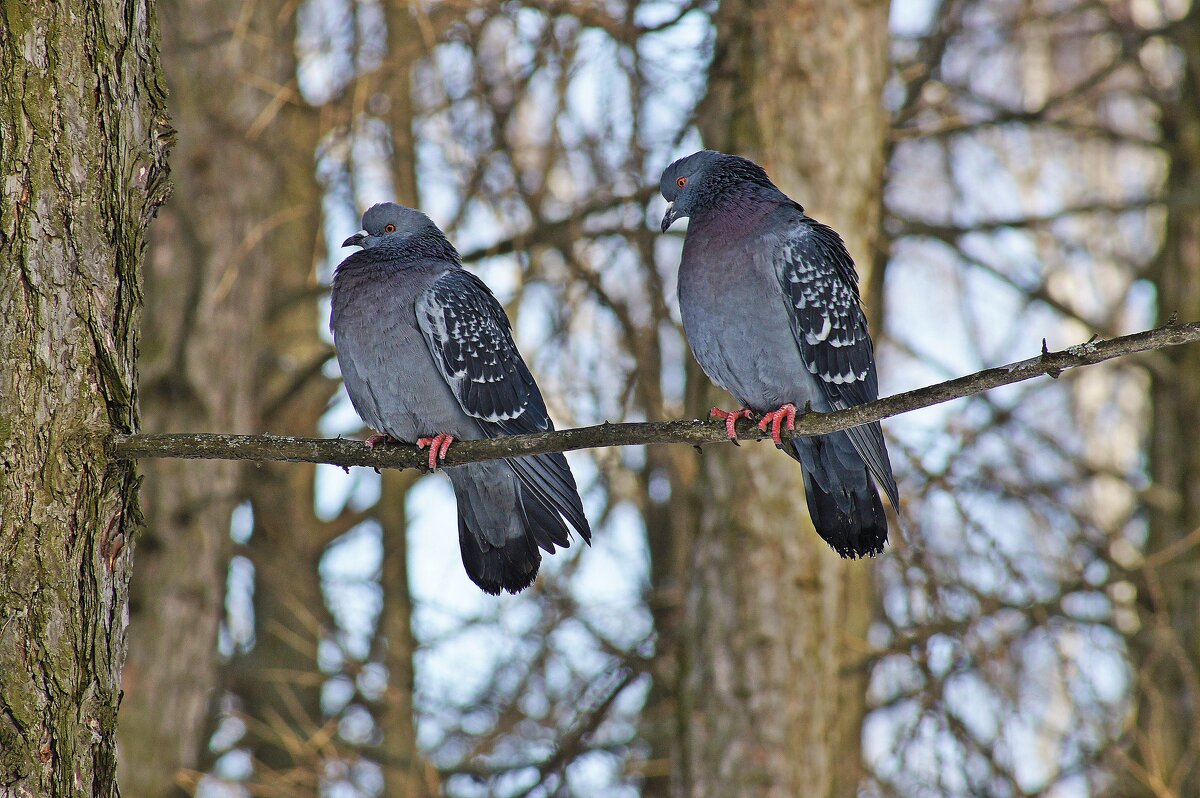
[471, 341]
[821, 287]
[469, 336]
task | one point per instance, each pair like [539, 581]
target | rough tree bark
[1165, 754]
[83, 137]
[773, 689]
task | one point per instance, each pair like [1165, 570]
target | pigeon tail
[502, 524]
[842, 500]
[511, 567]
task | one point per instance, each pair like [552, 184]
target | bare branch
[545, 231]
[346, 453]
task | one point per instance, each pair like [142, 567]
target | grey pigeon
[427, 356]
[770, 306]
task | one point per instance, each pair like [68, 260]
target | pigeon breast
[392, 381]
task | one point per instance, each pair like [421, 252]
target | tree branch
[345, 453]
[546, 231]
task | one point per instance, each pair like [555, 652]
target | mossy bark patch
[83, 166]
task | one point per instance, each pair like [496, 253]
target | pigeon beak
[356, 240]
[669, 217]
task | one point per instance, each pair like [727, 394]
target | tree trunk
[207, 305]
[671, 528]
[236, 219]
[1166, 651]
[280, 680]
[83, 135]
[773, 685]
[405, 772]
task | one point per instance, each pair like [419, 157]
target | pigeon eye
[391, 228]
[681, 182]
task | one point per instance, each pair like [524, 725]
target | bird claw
[776, 419]
[379, 438]
[438, 446]
[731, 417]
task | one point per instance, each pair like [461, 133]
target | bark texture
[773, 688]
[83, 138]
[1165, 755]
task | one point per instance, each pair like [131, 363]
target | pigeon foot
[731, 417]
[379, 438]
[776, 419]
[438, 446]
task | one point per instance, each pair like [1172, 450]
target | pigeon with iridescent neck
[427, 356]
[770, 305]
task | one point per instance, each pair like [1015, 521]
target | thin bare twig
[346, 453]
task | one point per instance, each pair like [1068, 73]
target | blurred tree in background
[1035, 635]
[772, 686]
[230, 256]
[1002, 171]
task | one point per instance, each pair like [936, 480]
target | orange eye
[681, 182]
[391, 228]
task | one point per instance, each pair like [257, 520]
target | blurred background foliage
[1004, 171]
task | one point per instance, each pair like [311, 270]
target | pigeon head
[701, 180]
[389, 224]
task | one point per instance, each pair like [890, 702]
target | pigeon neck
[737, 210]
[419, 247]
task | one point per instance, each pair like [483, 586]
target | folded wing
[818, 280]
[471, 341]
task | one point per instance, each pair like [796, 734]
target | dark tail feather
[547, 481]
[511, 567]
[842, 498]
[502, 524]
[543, 525]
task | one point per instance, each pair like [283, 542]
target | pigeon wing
[471, 342]
[820, 285]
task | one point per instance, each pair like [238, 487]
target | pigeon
[427, 357]
[770, 306]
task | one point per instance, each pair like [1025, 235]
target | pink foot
[438, 446]
[731, 417]
[776, 419]
[379, 438]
